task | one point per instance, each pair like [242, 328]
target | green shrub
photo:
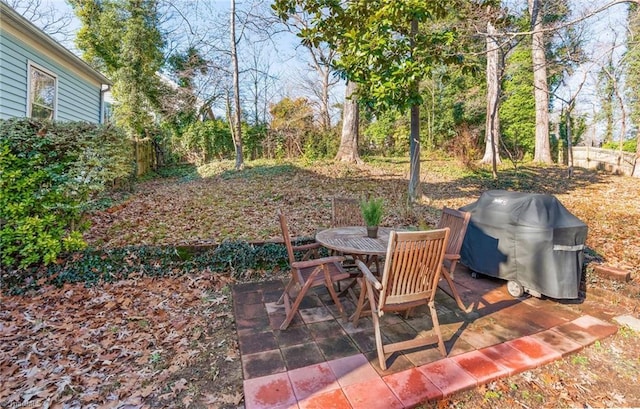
[49, 172]
[203, 141]
[628, 145]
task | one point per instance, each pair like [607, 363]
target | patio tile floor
[321, 361]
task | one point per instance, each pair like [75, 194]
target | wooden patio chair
[410, 279]
[345, 212]
[308, 273]
[457, 221]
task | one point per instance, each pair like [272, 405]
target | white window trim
[30, 65]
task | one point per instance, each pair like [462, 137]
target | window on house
[42, 93]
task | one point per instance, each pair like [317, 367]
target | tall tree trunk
[542, 150]
[236, 124]
[636, 163]
[348, 150]
[492, 125]
[324, 109]
[569, 142]
[414, 145]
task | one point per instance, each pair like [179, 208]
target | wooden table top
[354, 240]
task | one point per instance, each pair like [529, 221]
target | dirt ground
[171, 342]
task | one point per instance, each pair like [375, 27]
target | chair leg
[376, 328]
[454, 292]
[436, 328]
[361, 300]
[287, 288]
[294, 308]
[332, 292]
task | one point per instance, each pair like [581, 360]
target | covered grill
[532, 240]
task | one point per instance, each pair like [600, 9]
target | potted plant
[372, 214]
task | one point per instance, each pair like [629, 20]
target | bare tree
[261, 83]
[542, 151]
[53, 21]
[235, 116]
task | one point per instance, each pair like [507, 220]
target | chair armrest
[369, 275]
[452, 256]
[317, 262]
[310, 246]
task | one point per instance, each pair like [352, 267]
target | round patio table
[353, 240]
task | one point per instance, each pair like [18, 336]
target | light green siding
[77, 99]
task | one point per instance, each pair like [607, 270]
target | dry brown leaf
[179, 386]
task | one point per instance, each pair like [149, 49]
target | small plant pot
[372, 232]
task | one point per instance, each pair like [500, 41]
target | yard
[171, 341]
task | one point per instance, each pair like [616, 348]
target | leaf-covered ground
[171, 342]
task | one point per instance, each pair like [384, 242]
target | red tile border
[479, 366]
[269, 392]
[373, 394]
[412, 387]
[557, 341]
[507, 356]
[311, 380]
[448, 376]
[334, 399]
[538, 353]
[586, 329]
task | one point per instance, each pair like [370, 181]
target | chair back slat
[412, 269]
[286, 238]
[457, 221]
[345, 212]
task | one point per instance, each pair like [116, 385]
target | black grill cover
[529, 238]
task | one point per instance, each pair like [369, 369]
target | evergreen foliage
[49, 174]
[517, 111]
[122, 39]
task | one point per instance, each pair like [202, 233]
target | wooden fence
[145, 155]
[614, 161]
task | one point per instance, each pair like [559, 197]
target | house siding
[77, 98]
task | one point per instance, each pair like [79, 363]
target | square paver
[424, 355]
[298, 356]
[558, 342]
[313, 380]
[253, 324]
[277, 318]
[538, 352]
[399, 332]
[292, 336]
[272, 295]
[315, 314]
[511, 358]
[373, 394]
[483, 369]
[250, 297]
[337, 347]
[251, 311]
[262, 364]
[334, 399]
[395, 362]
[586, 330]
[252, 342]
[448, 376]
[352, 369]
[325, 329]
[364, 340]
[269, 392]
[412, 387]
